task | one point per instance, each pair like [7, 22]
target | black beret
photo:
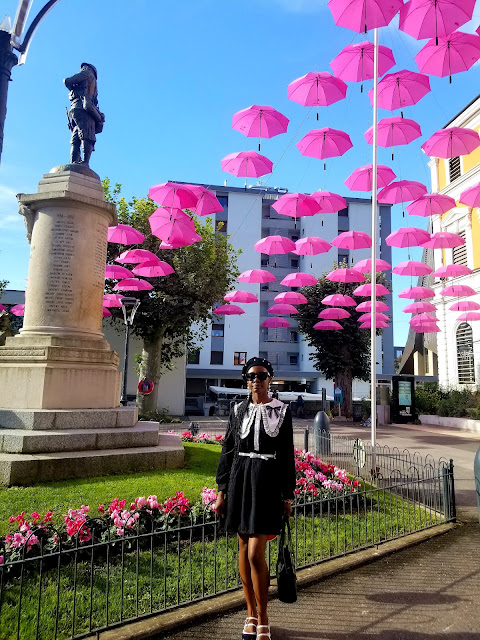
[258, 362]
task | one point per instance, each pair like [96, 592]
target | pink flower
[18, 540]
[48, 516]
[2, 559]
[101, 508]
[141, 502]
[153, 502]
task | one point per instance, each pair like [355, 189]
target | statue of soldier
[84, 117]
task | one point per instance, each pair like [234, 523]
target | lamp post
[10, 39]
[129, 309]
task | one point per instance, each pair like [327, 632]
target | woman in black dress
[256, 482]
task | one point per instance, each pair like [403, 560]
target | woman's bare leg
[246, 576]
[259, 571]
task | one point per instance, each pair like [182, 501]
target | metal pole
[7, 61]
[123, 399]
[373, 330]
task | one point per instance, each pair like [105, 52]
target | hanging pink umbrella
[173, 195]
[106, 313]
[379, 324]
[367, 317]
[2, 308]
[228, 310]
[329, 202]
[365, 290]
[464, 305]
[311, 246]
[444, 240]
[328, 325]
[207, 201]
[282, 309]
[353, 240]
[361, 178]
[471, 196]
[419, 307]
[407, 237]
[452, 271]
[133, 256]
[345, 275]
[393, 132]
[153, 269]
[180, 243]
[417, 293]
[274, 245]
[248, 164]
[334, 313]
[124, 234]
[452, 142]
[317, 89]
[113, 272]
[433, 18]
[112, 300]
[133, 284]
[275, 323]
[18, 310]
[324, 143]
[412, 268]
[355, 63]
[296, 205]
[365, 266]
[431, 204]
[402, 191]
[401, 89]
[460, 290]
[290, 297]
[423, 317]
[299, 279]
[339, 300]
[453, 54]
[256, 275]
[362, 15]
[259, 121]
[172, 225]
[240, 296]
[367, 306]
[426, 328]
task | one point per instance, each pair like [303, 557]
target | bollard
[476, 470]
[194, 428]
[321, 430]
[449, 493]
[305, 439]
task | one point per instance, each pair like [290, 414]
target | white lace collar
[272, 413]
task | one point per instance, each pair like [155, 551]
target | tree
[340, 355]
[204, 272]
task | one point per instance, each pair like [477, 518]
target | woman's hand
[287, 509]
[220, 504]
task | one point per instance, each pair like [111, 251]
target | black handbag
[286, 578]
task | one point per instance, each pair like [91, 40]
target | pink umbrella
[355, 62]
[353, 240]
[291, 297]
[124, 234]
[464, 305]
[282, 309]
[394, 132]
[18, 310]
[452, 142]
[367, 306]
[105, 312]
[367, 317]
[365, 266]
[172, 226]
[299, 279]
[419, 307]
[113, 271]
[317, 89]
[248, 164]
[153, 269]
[324, 143]
[228, 310]
[423, 317]
[402, 191]
[132, 256]
[2, 308]
[112, 300]
[460, 290]
[240, 296]
[432, 18]
[207, 201]
[412, 268]
[362, 15]
[407, 237]
[453, 54]
[311, 246]
[329, 202]
[259, 121]
[256, 275]
[417, 293]
[431, 204]
[444, 240]
[180, 243]
[345, 275]
[365, 290]
[401, 89]
[328, 325]
[379, 324]
[274, 245]
[275, 323]
[426, 328]
[173, 195]
[296, 205]
[361, 178]
[339, 300]
[133, 284]
[471, 196]
[452, 271]
[334, 313]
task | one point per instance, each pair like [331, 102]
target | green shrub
[427, 397]
[158, 416]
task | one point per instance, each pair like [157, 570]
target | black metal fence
[79, 589]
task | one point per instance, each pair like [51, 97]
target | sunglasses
[261, 375]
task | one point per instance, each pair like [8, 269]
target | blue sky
[171, 74]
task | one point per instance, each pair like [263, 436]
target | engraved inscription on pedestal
[100, 255]
[60, 293]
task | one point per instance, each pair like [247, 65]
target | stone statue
[29, 216]
[84, 117]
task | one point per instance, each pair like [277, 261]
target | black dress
[254, 488]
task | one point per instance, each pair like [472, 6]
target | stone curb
[195, 613]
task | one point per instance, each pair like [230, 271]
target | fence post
[476, 471]
[449, 492]
[305, 439]
[321, 429]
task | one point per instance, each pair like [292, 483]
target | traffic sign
[145, 387]
[338, 395]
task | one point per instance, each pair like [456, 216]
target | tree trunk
[343, 379]
[150, 370]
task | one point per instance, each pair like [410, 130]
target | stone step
[143, 434]
[58, 419]
[25, 469]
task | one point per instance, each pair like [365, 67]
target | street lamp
[129, 309]
[10, 39]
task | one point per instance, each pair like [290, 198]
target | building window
[293, 359]
[193, 356]
[221, 226]
[454, 168]
[343, 212]
[343, 256]
[293, 336]
[465, 360]
[240, 357]
[264, 259]
[217, 330]
[427, 362]
[294, 263]
[216, 357]
[223, 201]
[460, 253]
[294, 238]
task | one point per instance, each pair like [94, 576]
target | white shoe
[249, 635]
[265, 635]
